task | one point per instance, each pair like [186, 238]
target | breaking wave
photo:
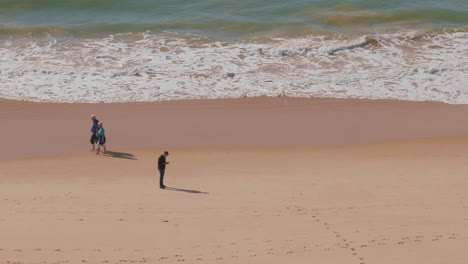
[144, 67]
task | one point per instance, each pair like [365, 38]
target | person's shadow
[120, 155]
[185, 190]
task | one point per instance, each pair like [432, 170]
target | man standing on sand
[162, 168]
[94, 131]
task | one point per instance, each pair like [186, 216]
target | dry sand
[252, 181]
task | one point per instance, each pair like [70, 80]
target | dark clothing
[93, 139]
[161, 178]
[94, 127]
[162, 163]
[101, 140]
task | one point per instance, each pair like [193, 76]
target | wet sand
[251, 181]
[43, 129]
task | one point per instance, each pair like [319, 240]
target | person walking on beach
[101, 138]
[94, 131]
[162, 168]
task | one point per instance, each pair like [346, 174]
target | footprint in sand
[363, 246]
[57, 250]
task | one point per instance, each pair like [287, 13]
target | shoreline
[50, 129]
[249, 181]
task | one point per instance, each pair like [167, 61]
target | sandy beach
[265, 180]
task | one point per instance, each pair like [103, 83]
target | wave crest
[146, 67]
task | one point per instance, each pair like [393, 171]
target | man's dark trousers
[161, 177]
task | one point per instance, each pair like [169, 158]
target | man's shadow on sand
[185, 190]
[120, 155]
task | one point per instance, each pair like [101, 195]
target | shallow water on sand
[124, 51]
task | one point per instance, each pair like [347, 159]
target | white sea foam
[143, 67]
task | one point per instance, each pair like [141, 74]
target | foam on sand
[143, 67]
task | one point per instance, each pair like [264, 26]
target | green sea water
[223, 19]
[154, 50]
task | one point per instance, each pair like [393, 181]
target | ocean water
[142, 50]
